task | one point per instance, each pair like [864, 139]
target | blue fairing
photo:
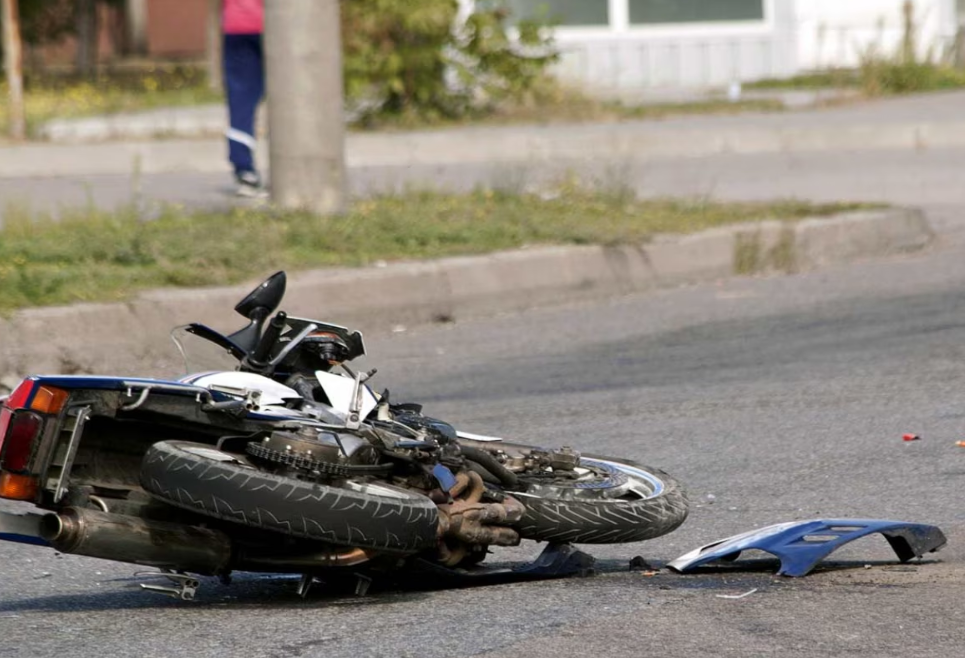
[72, 382]
[23, 539]
[800, 545]
[88, 382]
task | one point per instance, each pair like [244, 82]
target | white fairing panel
[339, 390]
[272, 393]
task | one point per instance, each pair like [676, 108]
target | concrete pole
[213, 46]
[135, 26]
[13, 64]
[303, 56]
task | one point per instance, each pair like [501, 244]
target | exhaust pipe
[302, 563]
[138, 541]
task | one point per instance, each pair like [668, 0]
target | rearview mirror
[257, 306]
[266, 296]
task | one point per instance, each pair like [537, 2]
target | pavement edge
[132, 338]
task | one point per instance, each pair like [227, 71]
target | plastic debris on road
[801, 545]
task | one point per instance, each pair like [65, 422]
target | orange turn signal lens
[17, 487]
[49, 400]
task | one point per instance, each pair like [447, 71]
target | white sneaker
[250, 186]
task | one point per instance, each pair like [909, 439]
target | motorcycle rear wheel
[202, 479]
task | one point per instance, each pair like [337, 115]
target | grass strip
[52, 96]
[49, 97]
[99, 256]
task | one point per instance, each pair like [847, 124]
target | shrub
[404, 57]
[907, 70]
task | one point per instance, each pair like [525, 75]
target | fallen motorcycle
[288, 461]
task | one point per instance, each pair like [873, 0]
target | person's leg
[244, 87]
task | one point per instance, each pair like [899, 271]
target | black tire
[605, 521]
[199, 478]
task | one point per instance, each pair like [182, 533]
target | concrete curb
[210, 120]
[132, 338]
[638, 141]
[181, 122]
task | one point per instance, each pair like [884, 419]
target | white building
[625, 45]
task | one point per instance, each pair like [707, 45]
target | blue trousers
[244, 77]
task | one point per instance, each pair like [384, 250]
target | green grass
[555, 104]
[878, 76]
[95, 256]
[827, 79]
[883, 77]
[54, 96]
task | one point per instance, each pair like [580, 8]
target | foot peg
[184, 586]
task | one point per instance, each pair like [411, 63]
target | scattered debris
[960, 444]
[736, 596]
[639, 564]
[910, 437]
[801, 545]
[649, 574]
[710, 499]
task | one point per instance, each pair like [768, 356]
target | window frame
[766, 8]
[620, 28]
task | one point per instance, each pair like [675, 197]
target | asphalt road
[783, 398]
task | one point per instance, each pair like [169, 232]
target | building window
[648, 12]
[562, 12]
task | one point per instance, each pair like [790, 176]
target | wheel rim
[621, 483]
[382, 490]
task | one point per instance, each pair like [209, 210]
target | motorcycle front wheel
[202, 479]
[613, 501]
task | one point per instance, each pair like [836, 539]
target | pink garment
[242, 16]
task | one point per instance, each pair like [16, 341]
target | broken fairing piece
[736, 596]
[800, 545]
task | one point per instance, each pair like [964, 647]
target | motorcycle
[286, 460]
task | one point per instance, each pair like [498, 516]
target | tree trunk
[87, 36]
[13, 63]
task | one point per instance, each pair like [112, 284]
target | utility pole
[213, 45]
[13, 63]
[303, 55]
[135, 27]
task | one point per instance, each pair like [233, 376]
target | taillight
[18, 399]
[20, 428]
[18, 487]
[23, 429]
[49, 400]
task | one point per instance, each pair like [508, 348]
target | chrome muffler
[135, 540]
